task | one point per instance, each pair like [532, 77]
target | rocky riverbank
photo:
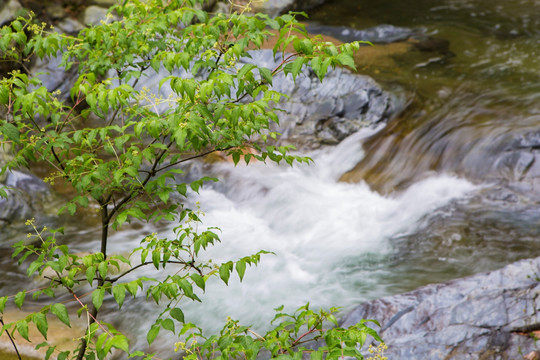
[486, 316]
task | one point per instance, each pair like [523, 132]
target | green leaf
[347, 60]
[266, 74]
[190, 86]
[297, 66]
[119, 293]
[168, 324]
[11, 131]
[22, 328]
[244, 70]
[241, 268]
[120, 342]
[198, 280]
[177, 314]
[49, 352]
[34, 266]
[132, 288]
[60, 311]
[156, 258]
[3, 301]
[225, 273]
[90, 274]
[307, 46]
[182, 189]
[316, 355]
[71, 208]
[40, 320]
[4, 95]
[19, 298]
[151, 336]
[97, 297]
[17, 25]
[236, 157]
[103, 268]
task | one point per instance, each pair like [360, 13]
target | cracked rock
[485, 316]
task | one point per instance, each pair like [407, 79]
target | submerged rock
[381, 34]
[485, 316]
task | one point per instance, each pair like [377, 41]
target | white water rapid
[317, 227]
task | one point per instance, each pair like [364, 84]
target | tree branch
[11, 339]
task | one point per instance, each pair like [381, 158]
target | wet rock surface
[485, 316]
[520, 160]
[26, 194]
[8, 10]
[325, 113]
[381, 34]
[315, 113]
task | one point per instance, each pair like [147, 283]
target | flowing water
[425, 199]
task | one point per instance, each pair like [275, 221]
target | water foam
[312, 223]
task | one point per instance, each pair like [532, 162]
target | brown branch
[189, 264]
[77, 102]
[193, 157]
[297, 341]
[150, 174]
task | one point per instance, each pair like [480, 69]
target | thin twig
[10, 338]
[113, 280]
[193, 157]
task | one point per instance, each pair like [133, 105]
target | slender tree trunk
[104, 229]
[93, 311]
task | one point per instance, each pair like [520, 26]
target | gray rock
[315, 113]
[381, 34]
[520, 160]
[70, 26]
[325, 113]
[277, 7]
[105, 3]
[55, 77]
[221, 7]
[93, 15]
[17, 207]
[274, 8]
[28, 183]
[56, 11]
[484, 316]
[8, 11]
[26, 194]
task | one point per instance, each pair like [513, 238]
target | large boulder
[485, 316]
[26, 195]
[327, 112]
[9, 10]
[316, 113]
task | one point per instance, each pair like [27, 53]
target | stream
[430, 197]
